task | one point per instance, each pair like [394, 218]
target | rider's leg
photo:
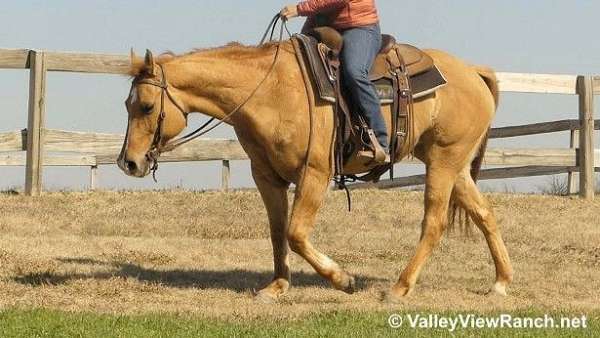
[361, 46]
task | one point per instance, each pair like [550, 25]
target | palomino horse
[275, 129]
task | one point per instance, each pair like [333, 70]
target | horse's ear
[149, 63]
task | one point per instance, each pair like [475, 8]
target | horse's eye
[147, 108]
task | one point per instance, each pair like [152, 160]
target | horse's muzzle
[131, 167]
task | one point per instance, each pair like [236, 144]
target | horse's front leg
[308, 199]
[273, 191]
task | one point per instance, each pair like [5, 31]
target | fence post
[93, 177]
[572, 182]
[585, 90]
[226, 174]
[35, 123]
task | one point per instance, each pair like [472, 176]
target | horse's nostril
[131, 166]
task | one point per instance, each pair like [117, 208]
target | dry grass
[201, 253]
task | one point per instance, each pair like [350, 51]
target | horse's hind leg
[274, 194]
[308, 199]
[468, 197]
[438, 189]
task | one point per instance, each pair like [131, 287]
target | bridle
[157, 147]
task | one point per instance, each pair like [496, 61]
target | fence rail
[38, 148]
[14, 58]
[487, 174]
[538, 128]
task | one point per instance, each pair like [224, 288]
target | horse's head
[154, 116]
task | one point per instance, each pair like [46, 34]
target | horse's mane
[232, 51]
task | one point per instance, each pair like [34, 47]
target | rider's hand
[289, 12]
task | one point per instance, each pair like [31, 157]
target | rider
[358, 22]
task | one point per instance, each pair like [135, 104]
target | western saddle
[401, 74]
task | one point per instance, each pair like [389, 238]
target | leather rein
[157, 147]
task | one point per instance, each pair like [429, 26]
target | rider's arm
[312, 7]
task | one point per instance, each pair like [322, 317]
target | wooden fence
[36, 146]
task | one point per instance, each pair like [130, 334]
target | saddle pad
[421, 85]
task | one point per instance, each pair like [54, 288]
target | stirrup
[376, 154]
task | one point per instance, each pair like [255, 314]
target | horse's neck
[215, 84]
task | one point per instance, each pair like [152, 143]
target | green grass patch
[48, 323]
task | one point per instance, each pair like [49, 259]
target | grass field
[332, 324]
[177, 263]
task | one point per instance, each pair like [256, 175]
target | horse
[288, 134]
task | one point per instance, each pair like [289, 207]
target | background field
[198, 255]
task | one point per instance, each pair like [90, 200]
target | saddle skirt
[424, 77]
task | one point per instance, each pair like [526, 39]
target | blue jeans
[361, 45]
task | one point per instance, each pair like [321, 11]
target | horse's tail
[489, 77]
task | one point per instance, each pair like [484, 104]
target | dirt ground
[201, 254]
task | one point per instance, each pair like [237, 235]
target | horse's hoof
[271, 293]
[498, 289]
[351, 287]
[264, 297]
[388, 297]
[346, 284]
[396, 295]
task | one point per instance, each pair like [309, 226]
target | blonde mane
[231, 51]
